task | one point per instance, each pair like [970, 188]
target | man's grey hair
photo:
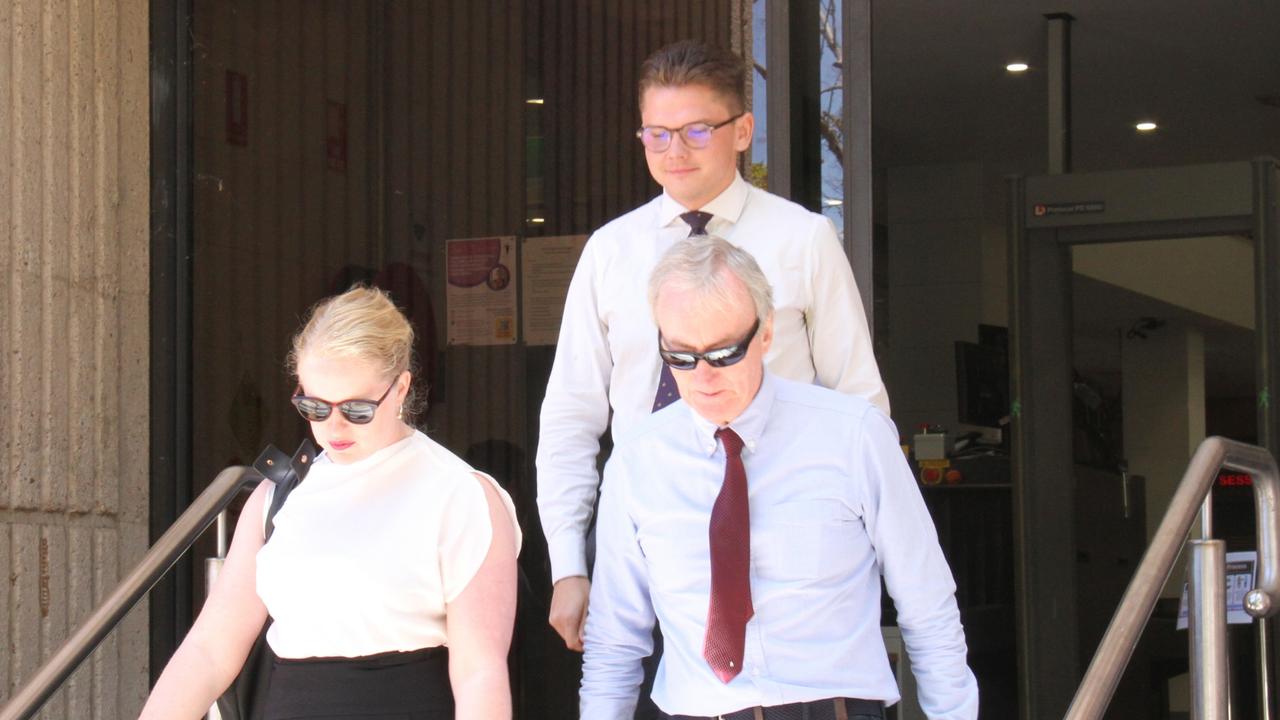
[699, 263]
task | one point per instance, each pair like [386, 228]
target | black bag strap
[286, 472]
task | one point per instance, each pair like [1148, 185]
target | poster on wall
[547, 268]
[481, 292]
[1242, 576]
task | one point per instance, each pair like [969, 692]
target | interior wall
[73, 339]
[1164, 416]
[943, 281]
[1212, 275]
[275, 224]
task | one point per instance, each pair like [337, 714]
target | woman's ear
[405, 381]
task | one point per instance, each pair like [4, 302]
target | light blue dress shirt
[833, 508]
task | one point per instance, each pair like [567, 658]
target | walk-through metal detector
[1047, 216]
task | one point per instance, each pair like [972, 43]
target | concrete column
[73, 338]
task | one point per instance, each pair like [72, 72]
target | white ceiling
[942, 95]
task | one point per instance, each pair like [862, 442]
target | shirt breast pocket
[807, 542]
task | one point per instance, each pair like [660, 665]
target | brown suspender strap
[759, 713]
[842, 713]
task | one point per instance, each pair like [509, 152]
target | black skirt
[389, 686]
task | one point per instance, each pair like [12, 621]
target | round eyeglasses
[696, 135]
[357, 412]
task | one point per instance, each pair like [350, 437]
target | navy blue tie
[697, 221]
[667, 390]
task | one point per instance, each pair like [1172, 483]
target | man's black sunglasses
[718, 358]
[358, 412]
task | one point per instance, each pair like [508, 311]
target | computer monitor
[982, 384]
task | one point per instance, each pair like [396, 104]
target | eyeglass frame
[683, 132]
[297, 399]
[729, 354]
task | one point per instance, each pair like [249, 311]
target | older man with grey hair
[753, 519]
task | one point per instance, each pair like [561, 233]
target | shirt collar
[749, 425]
[727, 205]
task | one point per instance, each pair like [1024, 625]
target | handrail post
[1264, 677]
[212, 568]
[1215, 453]
[1207, 629]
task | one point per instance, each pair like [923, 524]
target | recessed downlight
[1017, 67]
[1145, 126]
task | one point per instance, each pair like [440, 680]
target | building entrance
[1077, 240]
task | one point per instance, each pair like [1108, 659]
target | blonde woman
[392, 550]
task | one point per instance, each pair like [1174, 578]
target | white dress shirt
[366, 556]
[607, 354]
[833, 508]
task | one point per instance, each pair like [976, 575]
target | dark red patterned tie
[668, 392]
[730, 534]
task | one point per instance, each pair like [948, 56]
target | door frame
[1047, 216]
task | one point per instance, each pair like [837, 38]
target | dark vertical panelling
[595, 169]
[275, 226]
[581, 119]
[290, 285]
[625, 92]
[298, 245]
[600, 38]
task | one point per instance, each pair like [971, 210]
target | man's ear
[766, 332]
[743, 130]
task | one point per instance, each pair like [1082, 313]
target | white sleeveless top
[365, 556]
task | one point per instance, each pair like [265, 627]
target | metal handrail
[1215, 453]
[175, 541]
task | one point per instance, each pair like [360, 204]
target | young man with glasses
[694, 126]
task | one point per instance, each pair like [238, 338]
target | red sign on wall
[237, 108]
[1234, 479]
[335, 135]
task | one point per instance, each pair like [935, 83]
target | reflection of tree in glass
[831, 106]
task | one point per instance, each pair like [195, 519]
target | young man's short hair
[693, 62]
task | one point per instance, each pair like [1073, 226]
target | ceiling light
[536, 220]
[1016, 67]
[832, 202]
[534, 101]
[1145, 126]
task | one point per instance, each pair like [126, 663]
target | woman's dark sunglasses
[358, 412]
[718, 358]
